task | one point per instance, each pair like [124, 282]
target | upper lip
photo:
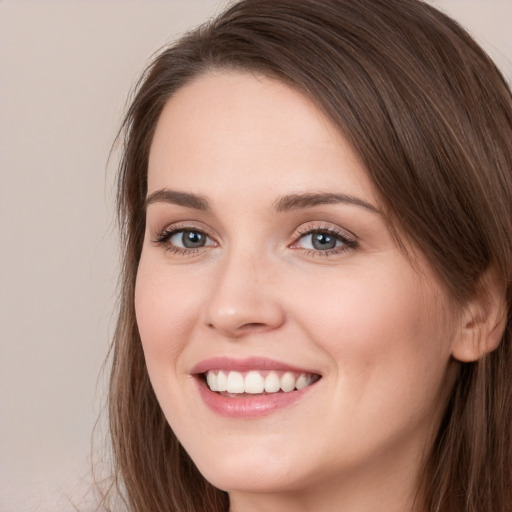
[246, 364]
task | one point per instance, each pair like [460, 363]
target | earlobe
[482, 321]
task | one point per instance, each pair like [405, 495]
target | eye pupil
[323, 241]
[193, 239]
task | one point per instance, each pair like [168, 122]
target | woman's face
[267, 264]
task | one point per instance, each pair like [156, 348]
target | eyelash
[163, 238]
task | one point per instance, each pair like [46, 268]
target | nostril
[253, 326]
[247, 327]
[248, 316]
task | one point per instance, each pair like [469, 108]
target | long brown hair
[431, 118]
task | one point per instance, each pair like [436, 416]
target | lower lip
[248, 406]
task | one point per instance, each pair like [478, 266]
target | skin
[378, 331]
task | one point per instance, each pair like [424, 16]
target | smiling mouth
[235, 384]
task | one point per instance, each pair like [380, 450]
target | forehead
[244, 128]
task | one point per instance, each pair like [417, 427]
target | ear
[483, 319]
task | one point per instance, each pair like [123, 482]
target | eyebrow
[284, 204]
[179, 198]
[299, 201]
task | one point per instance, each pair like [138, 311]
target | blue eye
[324, 241]
[189, 239]
[182, 240]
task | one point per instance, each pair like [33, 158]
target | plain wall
[65, 71]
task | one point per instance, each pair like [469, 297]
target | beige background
[65, 70]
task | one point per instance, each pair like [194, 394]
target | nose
[244, 298]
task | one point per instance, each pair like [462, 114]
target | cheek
[389, 351]
[166, 311]
[384, 331]
[369, 307]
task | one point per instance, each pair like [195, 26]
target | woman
[315, 200]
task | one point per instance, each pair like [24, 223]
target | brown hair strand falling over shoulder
[431, 119]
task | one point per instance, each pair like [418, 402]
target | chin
[250, 470]
[252, 479]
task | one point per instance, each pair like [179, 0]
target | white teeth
[235, 383]
[222, 381]
[272, 384]
[288, 382]
[255, 383]
[211, 380]
[303, 381]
